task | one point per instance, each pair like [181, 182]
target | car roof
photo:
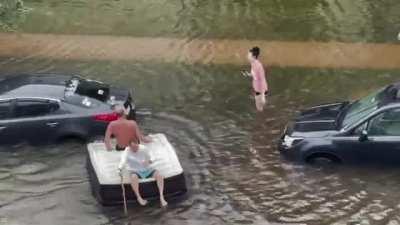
[46, 86]
[10, 98]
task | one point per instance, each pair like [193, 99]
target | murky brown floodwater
[183, 59]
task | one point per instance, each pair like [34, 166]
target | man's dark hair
[255, 51]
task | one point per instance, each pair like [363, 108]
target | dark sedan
[366, 130]
[48, 108]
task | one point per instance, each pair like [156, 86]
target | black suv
[47, 108]
[361, 131]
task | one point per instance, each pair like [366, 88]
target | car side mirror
[363, 136]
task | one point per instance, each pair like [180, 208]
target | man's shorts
[119, 148]
[144, 174]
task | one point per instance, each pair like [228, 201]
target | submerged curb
[203, 51]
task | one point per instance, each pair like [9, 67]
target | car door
[8, 130]
[350, 148]
[37, 119]
[384, 136]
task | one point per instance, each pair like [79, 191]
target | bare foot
[163, 202]
[142, 202]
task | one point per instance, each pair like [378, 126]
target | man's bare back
[124, 131]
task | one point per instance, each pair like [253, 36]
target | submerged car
[47, 107]
[366, 130]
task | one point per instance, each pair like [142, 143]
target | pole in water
[123, 195]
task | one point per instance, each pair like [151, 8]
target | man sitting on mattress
[137, 161]
[123, 130]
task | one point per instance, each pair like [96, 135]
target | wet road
[234, 173]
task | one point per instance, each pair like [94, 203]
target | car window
[28, 108]
[4, 110]
[361, 108]
[385, 124]
[78, 100]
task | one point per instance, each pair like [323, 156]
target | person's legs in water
[135, 188]
[260, 101]
[160, 184]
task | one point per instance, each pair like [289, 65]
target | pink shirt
[259, 80]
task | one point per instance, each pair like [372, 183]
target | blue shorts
[144, 174]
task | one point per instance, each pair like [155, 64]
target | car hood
[316, 121]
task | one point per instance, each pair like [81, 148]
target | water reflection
[363, 20]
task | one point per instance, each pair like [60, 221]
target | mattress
[105, 163]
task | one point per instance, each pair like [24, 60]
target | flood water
[234, 172]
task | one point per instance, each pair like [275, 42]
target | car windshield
[361, 108]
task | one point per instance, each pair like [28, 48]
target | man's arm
[141, 137]
[148, 158]
[107, 138]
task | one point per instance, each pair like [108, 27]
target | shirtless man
[124, 131]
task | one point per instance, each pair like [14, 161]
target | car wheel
[323, 159]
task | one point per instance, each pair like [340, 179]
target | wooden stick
[123, 195]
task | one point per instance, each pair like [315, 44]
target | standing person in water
[137, 160]
[260, 86]
[124, 131]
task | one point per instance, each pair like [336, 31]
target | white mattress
[105, 163]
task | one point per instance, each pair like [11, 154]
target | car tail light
[106, 117]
